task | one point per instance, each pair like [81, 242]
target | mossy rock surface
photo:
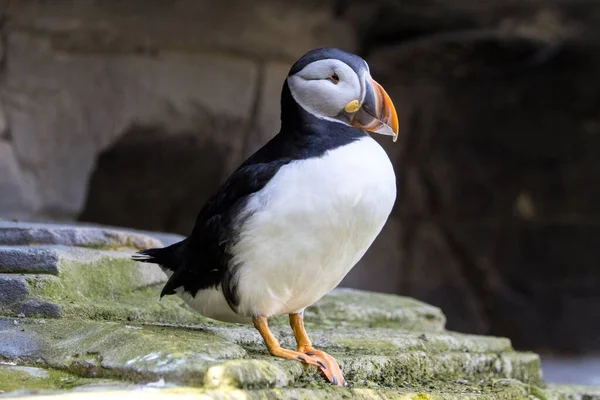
[216, 357]
[79, 318]
[14, 378]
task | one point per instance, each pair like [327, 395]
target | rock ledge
[79, 318]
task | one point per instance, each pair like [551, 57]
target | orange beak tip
[388, 111]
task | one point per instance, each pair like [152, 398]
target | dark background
[131, 113]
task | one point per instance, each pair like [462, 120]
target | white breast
[309, 226]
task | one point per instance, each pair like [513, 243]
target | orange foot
[306, 353]
[327, 364]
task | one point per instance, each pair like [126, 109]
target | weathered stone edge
[28, 260]
[17, 234]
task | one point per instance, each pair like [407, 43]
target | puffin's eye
[334, 78]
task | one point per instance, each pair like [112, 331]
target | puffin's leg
[329, 365]
[261, 324]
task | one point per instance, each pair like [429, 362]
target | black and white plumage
[294, 218]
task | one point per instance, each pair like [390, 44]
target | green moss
[424, 371]
[201, 358]
[142, 305]
[104, 278]
[386, 341]
[572, 392]
[537, 392]
[30, 378]
[352, 307]
[104, 287]
[101, 278]
[252, 374]
[213, 356]
[134, 353]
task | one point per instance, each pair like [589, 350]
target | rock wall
[498, 204]
[80, 79]
[131, 113]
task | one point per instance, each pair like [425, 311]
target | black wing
[214, 229]
[201, 260]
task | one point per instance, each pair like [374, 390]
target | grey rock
[70, 261]
[84, 103]
[22, 233]
[17, 342]
[22, 382]
[13, 288]
[204, 356]
[344, 306]
[28, 260]
[40, 309]
[165, 238]
[77, 266]
[236, 28]
[93, 348]
[18, 197]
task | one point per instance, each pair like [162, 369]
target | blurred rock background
[131, 113]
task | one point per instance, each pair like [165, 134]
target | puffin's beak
[377, 113]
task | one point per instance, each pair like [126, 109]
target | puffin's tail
[170, 257]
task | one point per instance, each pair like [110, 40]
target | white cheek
[322, 97]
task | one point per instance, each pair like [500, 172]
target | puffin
[293, 219]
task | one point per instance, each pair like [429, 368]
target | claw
[328, 364]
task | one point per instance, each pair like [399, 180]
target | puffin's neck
[293, 116]
[295, 120]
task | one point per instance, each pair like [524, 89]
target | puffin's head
[335, 85]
